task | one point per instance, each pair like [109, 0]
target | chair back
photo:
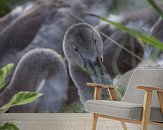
[146, 77]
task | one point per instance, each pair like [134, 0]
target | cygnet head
[83, 47]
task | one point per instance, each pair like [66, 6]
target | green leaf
[139, 35]
[4, 72]
[122, 6]
[9, 126]
[4, 7]
[156, 7]
[24, 98]
[20, 98]
[5, 107]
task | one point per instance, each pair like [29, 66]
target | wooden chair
[137, 107]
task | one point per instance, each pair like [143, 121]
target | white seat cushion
[131, 111]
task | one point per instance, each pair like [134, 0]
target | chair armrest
[100, 85]
[148, 91]
[98, 91]
[150, 88]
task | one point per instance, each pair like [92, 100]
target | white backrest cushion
[143, 76]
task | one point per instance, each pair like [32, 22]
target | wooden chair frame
[145, 121]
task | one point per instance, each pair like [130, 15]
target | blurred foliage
[4, 72]
[4, 7]
[7, 5]
[75, 107]
[156, 7]
[20, 98]
[8, 126]
[127, 5]
[148, 39]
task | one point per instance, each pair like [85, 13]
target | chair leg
[144, 126]
[124, 125]
[146, 110]
[94, 122]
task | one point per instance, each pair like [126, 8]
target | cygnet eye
[75, 49]
[95, 41]
[101, 59]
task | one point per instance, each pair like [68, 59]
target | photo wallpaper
[51, 49]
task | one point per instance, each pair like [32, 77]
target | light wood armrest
[100, 85]
[148, 96]
[98, 91]
[149, 88]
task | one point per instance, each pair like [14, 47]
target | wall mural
[57, 47]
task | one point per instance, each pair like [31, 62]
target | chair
[142, 103]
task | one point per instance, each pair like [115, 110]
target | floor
[57, 121]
